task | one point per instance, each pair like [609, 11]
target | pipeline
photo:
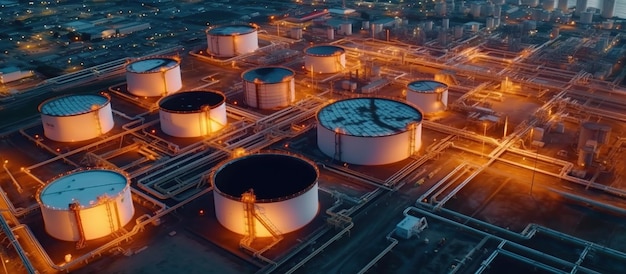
[528, 232]
[459, 187]
[16, 212]
[354, 175]
[433, 199]
[316, 235]
[320, 249]
[70, 153]
[380, 255]
[515, 245]
[469, 254]
[141, 222]
[411, 167]
[441, 182]
[49, 149]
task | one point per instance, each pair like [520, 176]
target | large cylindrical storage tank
[325, 59]
[369, 131]
[608, 8]
[73, 118]
[586, 17]
[90, 202]
[429, 96]
[232, 40]
[192, 113]
[345, 28]
[153, 77]
[285, 186]
[269, 87]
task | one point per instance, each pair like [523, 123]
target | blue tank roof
[72, 105]
[231, 30]
[152, 65]
[324, 50]
[426, 86]
[368, 117]
[268, 75]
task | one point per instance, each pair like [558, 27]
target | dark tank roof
[272, 176]
[191, 101]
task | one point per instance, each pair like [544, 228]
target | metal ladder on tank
[250, 214]
[206, 126]
[94, 108]
[412, 142]
[248, 198]
[338, 61]
[337, 155]
[107, 205]
[163, 72]
[75, 207]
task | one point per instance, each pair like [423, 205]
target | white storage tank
[369, 131]
[490, 23]
[73, 118]
[152, 77]
[232, 40]
[586, 17]
[295, 33]
[608, 8]
[192, 113]
[285, 186]
[562, 6]
[548, 4]
[325, 59]
[345, 28]
[86, 204]
[365, 25]
[581, 6]
[458, 32]
[269, 87]
[429, 25]
[429, 96]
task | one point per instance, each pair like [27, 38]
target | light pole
[4, 266]
[484, 136]
[532, 180]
